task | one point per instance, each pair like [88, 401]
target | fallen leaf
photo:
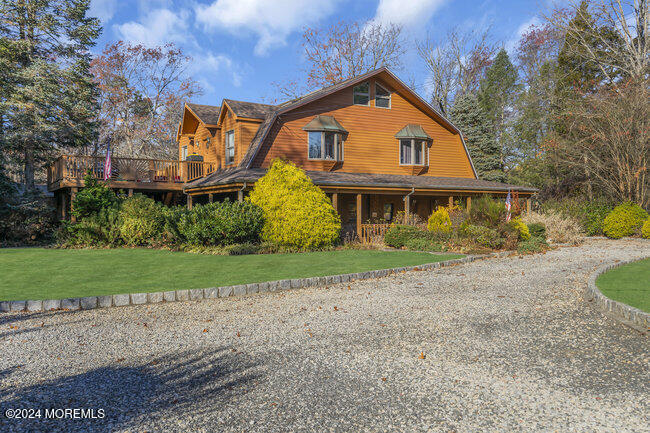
[336, 308]
[205, 330]
[422, 355]
[120, 359]
[238, 334]
[383, 379]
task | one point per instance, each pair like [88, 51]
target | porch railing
[128, 169]
[373, 233]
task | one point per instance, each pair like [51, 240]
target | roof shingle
[209, 114]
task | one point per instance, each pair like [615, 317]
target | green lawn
[36, 273]
[629, 284]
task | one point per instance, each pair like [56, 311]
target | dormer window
[361, 94]
[382, 96]
[325, 138]
[413, 145]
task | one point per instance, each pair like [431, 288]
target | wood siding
[371, 146]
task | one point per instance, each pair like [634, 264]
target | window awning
[412, 131]
[324, 123]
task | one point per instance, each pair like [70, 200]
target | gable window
[412, 151]
[361, 94]
[230, 147]
[207, 143]
[184, 154]
[325, 145]
[382, 97]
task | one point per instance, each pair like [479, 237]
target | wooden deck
[127, 173]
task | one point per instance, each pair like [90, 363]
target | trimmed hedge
[142, 221]
[297, 213]
[625, 220]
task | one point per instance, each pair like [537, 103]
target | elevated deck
[126, 173]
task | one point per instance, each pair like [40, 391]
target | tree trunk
[28, 171]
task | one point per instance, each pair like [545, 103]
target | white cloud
[102, 9]
[271, 21]
[156, 27]
[407, 12]
[207, 66]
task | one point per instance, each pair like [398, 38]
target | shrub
[439, 221]
[559, 228]
[537, 230]
[398, 234]
[100, 229]
[424, 244]
[224, 223]
[521, 227]
[297, 213]
[487, 211]
[242, 249]
[593, 217]
[141, 221]
[484, 236]
[173, 217]
[645, 229]
[589, 214]
[94, 197]
[532, 245]
[625, 220]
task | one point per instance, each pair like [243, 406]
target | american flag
[107, 163]
[508, 206]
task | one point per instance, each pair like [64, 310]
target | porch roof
[366, 180]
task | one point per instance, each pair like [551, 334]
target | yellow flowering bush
[522, 228]
[439, 221]
[297, 213]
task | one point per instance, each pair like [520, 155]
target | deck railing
[373, 233]
[128, 169]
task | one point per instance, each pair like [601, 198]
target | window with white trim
[361, 94]
[230, 147]
[412, 151]
[382, 96]
[184, 154]
[325, 145]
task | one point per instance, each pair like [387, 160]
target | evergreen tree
[496, 95]
[52, 101]
[468, 115]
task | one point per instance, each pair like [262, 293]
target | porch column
[189, 201]
[240, 195]
[407, 205]
[73, 195]
[210, 198]
[359, 213]
[64, 206]
[130, 192]
[529, 205]
[335, 201]
[451, 200]
[469, 203]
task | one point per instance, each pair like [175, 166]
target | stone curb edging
[92, 302]
[624, 313]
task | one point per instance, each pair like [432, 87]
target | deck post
[359, 215]
[189, 201]
[451, 201]
[240, 195]
[130, 192]
[73, 195]
[469, 203]
[210, 198]
[529, 205]
[335, 201]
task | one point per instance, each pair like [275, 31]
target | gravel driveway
[509, 345]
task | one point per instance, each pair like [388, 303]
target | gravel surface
[507, 345]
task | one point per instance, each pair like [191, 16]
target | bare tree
[616, 38]
[609, 138]
[142, 92]
[346, 50]
[456, 63]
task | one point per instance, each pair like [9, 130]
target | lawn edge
[120, 300]
[626, 314]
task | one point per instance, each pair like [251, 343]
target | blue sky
[240, 47]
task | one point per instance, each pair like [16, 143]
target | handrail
[373, 233]
[129, 169]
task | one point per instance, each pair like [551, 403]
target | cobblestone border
[92, 302]
[624, 313]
